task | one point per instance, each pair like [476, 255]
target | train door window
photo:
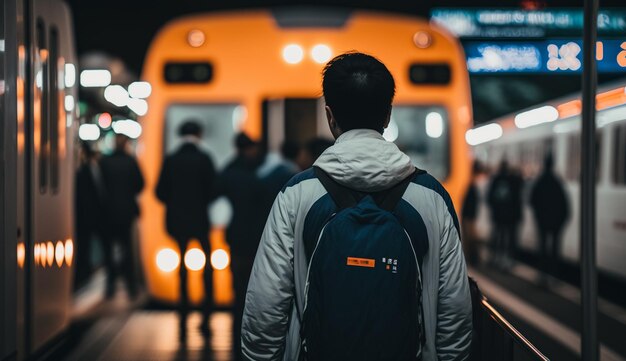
[54, 109]
[219, 123]
[41, 83]
[422, 133]
[619, 156]
[572, 172]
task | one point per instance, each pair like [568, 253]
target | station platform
[546, 312]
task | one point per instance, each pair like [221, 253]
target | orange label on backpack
[361, 262]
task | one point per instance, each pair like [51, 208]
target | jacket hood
[363, 160]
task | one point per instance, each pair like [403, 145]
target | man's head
[247, 147]
[358, 90]
[190, 128]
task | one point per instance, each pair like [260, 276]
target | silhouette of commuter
[469, 215]
[275, 171]
[244, 190]
[504, 198]
[312, 150]
[88, 211]
[185, 187]
[122, 181]
[551, 210]
[358, 91]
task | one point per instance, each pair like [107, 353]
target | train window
[198, 72]
[219, 123]
[41, 82]
[619, 155]
[430, 74]
[422, 133]
[54, 109]
[572, 171]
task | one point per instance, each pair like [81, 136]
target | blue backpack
[364, 286]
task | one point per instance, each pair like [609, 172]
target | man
[469, 216]
[244, 190]
[185, 186]
[551, 209]
[358, 90]
[122, 181]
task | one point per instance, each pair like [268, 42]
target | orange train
[259, 71]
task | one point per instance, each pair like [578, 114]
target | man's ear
[332, 122]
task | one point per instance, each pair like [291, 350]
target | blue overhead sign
[514, 23]
[549, 56]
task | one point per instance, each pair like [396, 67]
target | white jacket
[362, 160]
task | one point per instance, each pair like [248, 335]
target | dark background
[125, 29]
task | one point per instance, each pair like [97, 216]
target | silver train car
[524, 139]
[38, 90]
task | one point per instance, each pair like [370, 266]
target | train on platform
[259, 71]
[38, 89]
[525, 138]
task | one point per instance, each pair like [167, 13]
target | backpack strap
[389, 198]
[343, 197]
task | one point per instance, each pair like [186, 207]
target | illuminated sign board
[549, 56]
[513, 23]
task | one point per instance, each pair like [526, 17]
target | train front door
[293, 119]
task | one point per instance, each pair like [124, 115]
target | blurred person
[89, 197]
[504, 198]
[550, 206]
[122, 182]
[275, 171]
[311, 151]
[186, 188]
[240, 184]
[360, 166]
[469, 216]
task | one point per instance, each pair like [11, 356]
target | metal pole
[589, 287]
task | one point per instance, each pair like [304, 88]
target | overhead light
[69, 103]
[536, 116]
[116, 95]
[483, 134]
[140, 89]
[434, 125]
[138, 106]
[70, 75]
[95, 78]
[88, 132]
[59, 253]
[321, 53]
[127, 127]
[69, 251]
[293, 53]
[104, 120]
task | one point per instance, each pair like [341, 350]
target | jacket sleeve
[271, 288]
[454, 307]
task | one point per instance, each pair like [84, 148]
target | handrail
[512, 331]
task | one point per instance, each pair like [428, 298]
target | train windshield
[218, 122]
[422, 133]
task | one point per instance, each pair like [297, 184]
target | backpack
[363, 289]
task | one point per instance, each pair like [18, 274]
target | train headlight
[422, 39]
[293, 53]
[219, 259]
[321, 53]
[195, 259]
[167, 260]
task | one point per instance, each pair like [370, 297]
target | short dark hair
[190, 127]
[243, 141]
[359, 90]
